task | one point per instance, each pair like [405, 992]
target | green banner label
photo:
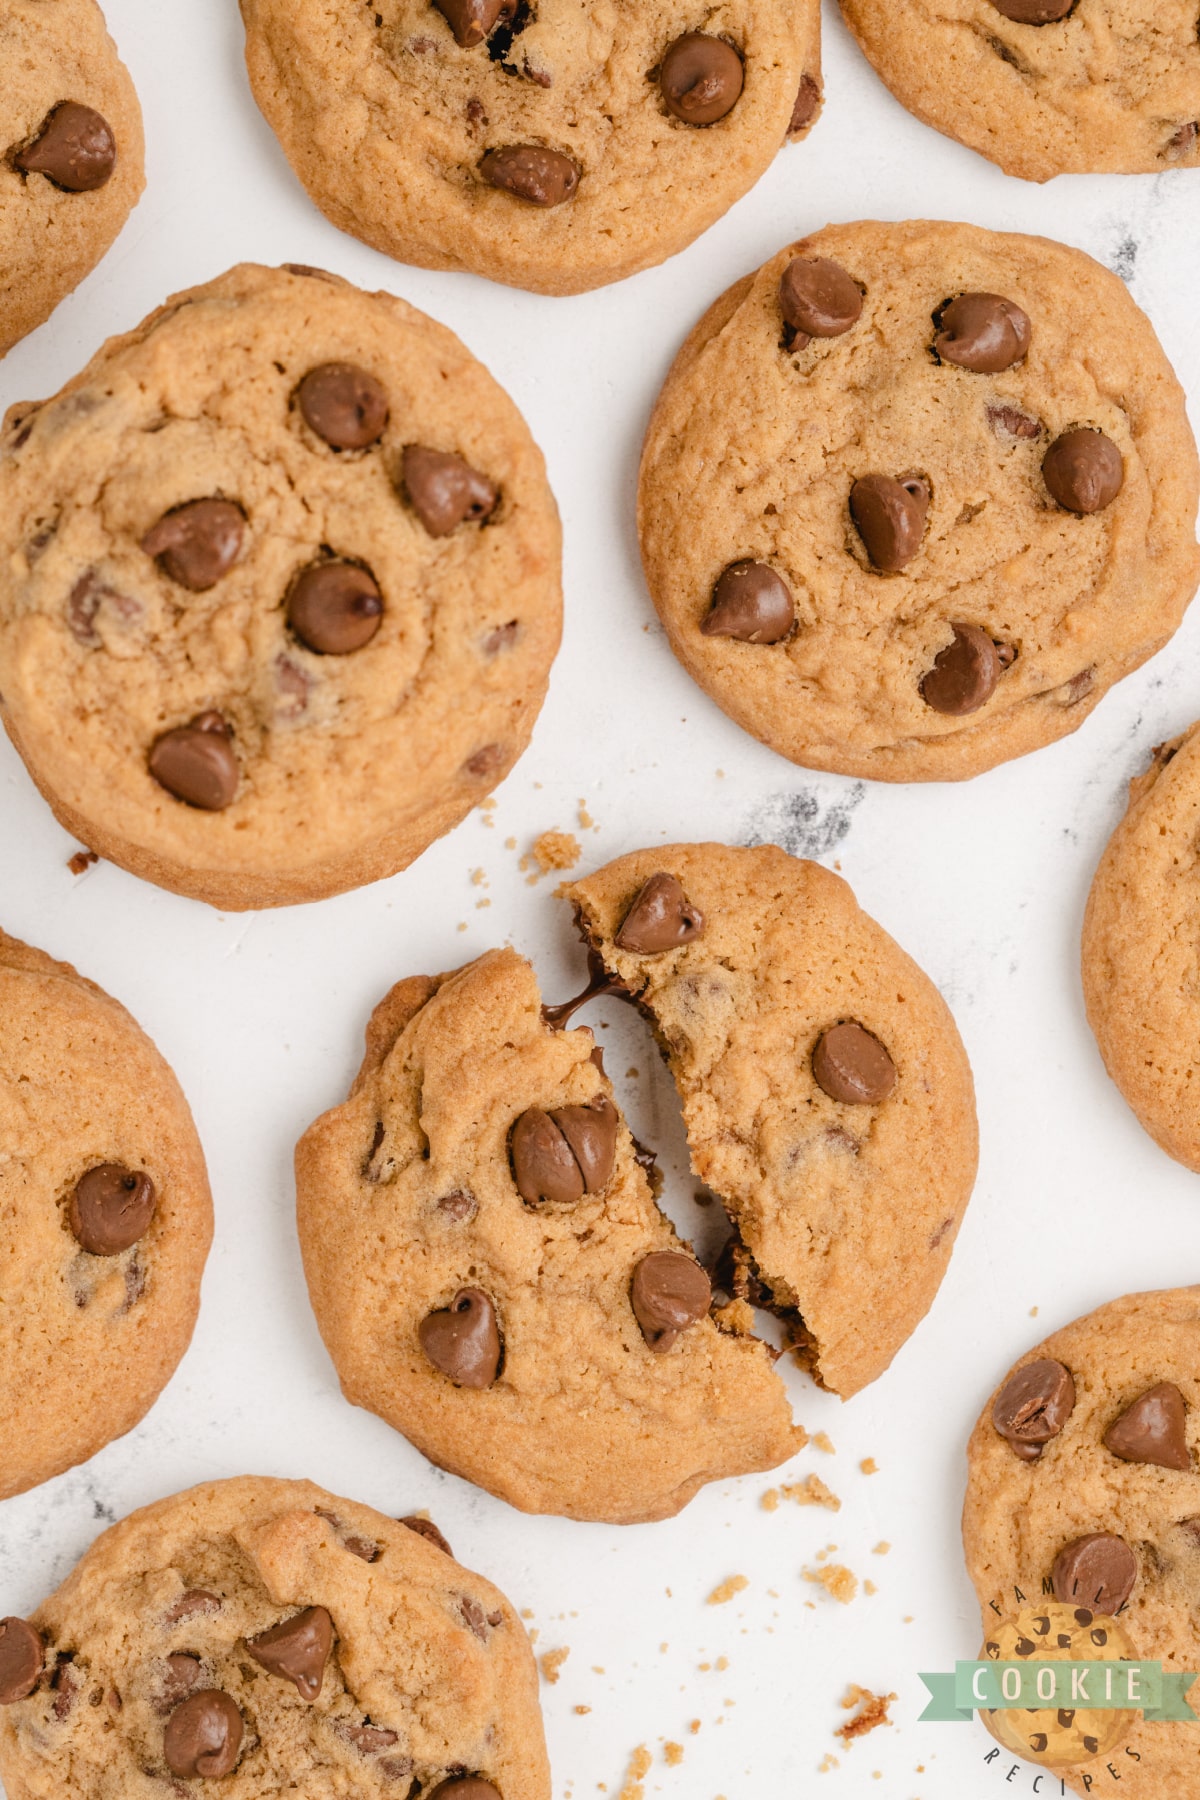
[1144, 1687]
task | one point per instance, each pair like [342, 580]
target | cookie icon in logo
[1059, 1737]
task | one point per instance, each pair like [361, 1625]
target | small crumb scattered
[632, 1074]
[869, 1710]
[812, 1492]
[673, 1754]
[908, 1619]
[583, 1709]
[869, 1466]
[596, 1669]
[510, 843]
[556, 850]
[527, 1612]
[639, 1764]
[827, 1762]
[869, 1587]
[770, 1500]
[551, 1663]
[480, 904]
[586, 821]
[1033, 1312]
[839, 1582]
[82, 859]
[462, 924]
[881, 1548]
[727, 1590]
[534, 1634]
[721, 1663]
[821, 1441]
[478, 878]
[694, 1726]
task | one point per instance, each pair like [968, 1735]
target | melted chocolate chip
[111, 1208]
[334, 608]
[851, 1065]
[1034, 12]
[196, 763]
[181, 1675]
[964, 675]
[486, 762]
[369, 1739]
[1034, 1404]
[982, 332]
[661, 918]
[198, 543]
[1083, 470]
[670, 1292]
[297, 1649]
[1152, 1429]
[463, 1340]
[700, 78]
[818, 299]
[472, 21]
[428, 1530]
[1010, 421]
[465, 1787]
[531, 172]
[561, 1155]
[344, 404]
[189, 1604]
[806, 106]
[752, 604]
[1099, 1571]
[600, 982]
[22, 1659]
[203, 1735]
[889, 516]
[74, 148]
[445, 491]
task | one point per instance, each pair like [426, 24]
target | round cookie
[1139, 935]
[826, 1092]
[280, 589]
[1082, 1485]
[71, 154]
[105, 1219]
[915, 496]
[554, 146]
[1049, 1631]
[1044, 87]
[278, 1639]
[516, 1335]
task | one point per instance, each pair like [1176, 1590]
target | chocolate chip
[297, 1649]
[806, 105]
[427, 1529]
[531, 172]
[1034, 12]
[344, 404]
[74, 148]
[1024, 1647]
[1034, 1404]
[196, 763]
[889, 516]
[818, 298]
[1099, 1570]
[474, 1616]
[182, 1674]
[982, 332]
[463, 1340]
[22, 1659]
[1083, 470]
[488, 761]
[964, 675]
[670, 1292]
[1153, 1429]
[334, 608]
[370, 1739]
[196, 1600]
[444, 490]
[473, 20]
[559, 1156]
[1183, 141]
[591, 1132]
[203, 1735]
[700, 78]
[661, 918]
[111, 1208]
[457, 1206]
[465, 1787]
[198, 543]
[752, 604]
[502, 638]
[850, 1064]
[1010, 421]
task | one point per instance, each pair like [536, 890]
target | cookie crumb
[510, 843]
[556, 850]
[869, 1587]
[840, 1583]
[812, 1492]
[869, 1466]
[586, 821]
[821, 1441]
[827, 1762]
[583, 1709]
[478, 878]
[1033, 1312]
[872, 1711]
[462, 924]
[694, 1726]
[721, 1663]
[82, 859]
[881, 1548]
[673, 1754]
[639, 1765]
[551, 1662]
[770, 1500]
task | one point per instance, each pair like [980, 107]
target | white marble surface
[261, 1016]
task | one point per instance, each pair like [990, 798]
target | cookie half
[105, 1219]
[915, 496]
[554, 146]
[476, 1223]
[1083, 1487]
[274, 1635]
[280, 592]
[71, 154]
[1139, 958]
[1045, 87]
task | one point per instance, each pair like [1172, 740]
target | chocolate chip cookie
[1043, 87]
[551, 144]
[1083, 1487]
[274, 1638]
[70, 154]
[915, 496]
[1139, 937]
[105, 1219]
[280, 589]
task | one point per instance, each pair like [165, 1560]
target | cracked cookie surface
[389, 120]
[766, 440]
[1109, 85]
[409, 1671]
[280, 590]
[97, 1299]
[1022, 1512]
[60, 212]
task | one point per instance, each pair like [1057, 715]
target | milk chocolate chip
[463, 1341]
[344, 404]
[964, 675]
[203, 1735]
[465, 1787]
[22, 1659]
[334, 608]
[183, 1672]
[297, 1649]
[805, 106]
[1083, 470]
[850, 1064]
[982, 332]
[559, 1156]
[427, 1529]
[198, 543]
[889, 516]
[196, 763]
[670, 1292]
[1153, 1429]
[701, 78]
[818, 298]
[1034, 1404]
[752, 604]
[531, 172]
[473, 20]
[661, 918]
[1097, 1571]
[75, 149]
[1034, 12]
[445, 490]
[111, 1208]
